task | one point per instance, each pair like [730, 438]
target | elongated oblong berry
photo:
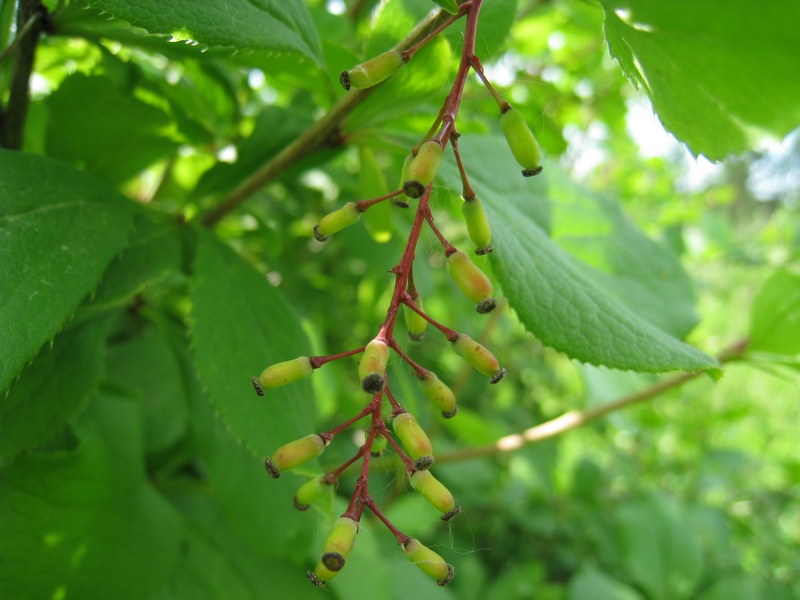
[372, 366]
[522, 142]
[435, 492]
[335, 552]
[378, 445]
[438, 393]
[311, 491]
[412, 436]
[373, 71]
[285, 372]
[427, 560]
[336, 221]
[478, 356]
[415, 323]
[422, 168]
[402, 199]
[471, 280]
[294, 454]
[477, 225]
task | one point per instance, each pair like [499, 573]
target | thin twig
[575, 418]
[315, 137]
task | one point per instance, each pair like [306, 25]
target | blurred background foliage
[694, 494]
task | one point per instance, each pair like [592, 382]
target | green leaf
[146, 365]
[713, 70]
[240, 325]
[590, 583]
[775, 316]
[275, 25]
[658, 548]
[87, 523]
[153, 253]
[746, 588]
[59, 230]
[54, 389]
[89, 125]
[569, 305]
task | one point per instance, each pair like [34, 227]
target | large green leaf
[712, 69]
[590, 583]
[59, 229]
[54, 389]
[276, 25]
[605, 311]
[89, 124]
[240, 325]
[658, 548]
[775, 316]
[87, 523]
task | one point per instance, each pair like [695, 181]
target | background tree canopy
[158, 188]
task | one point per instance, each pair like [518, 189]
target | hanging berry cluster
[414, 448]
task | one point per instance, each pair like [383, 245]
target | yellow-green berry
[378, 445]
[372, 366]
[335, 552]
[435, 492]
[472, 281]
[282, 373]
[478, 356]
[477, 225]
[422, 168]
[415, 323]
[402, 199]
[294, 454]
[521, 140]
[412, 436]
[373, 71]
[438, 393]
[311, 491]
[430, 562]
[336, 221]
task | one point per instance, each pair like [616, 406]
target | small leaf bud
[471, 280]
[521, 140]
[438, 393]
[430, 562]
[311, 491]
[373, 71]
[478, 356]
[372, 366]
[422, 168]
[284, 372]
[415, 323]
[413, 437]
[294, 454]
[336, 221]
[477, 225]
[435, 492]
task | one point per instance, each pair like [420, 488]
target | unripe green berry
[521, 140]
[378, 445]
[373, 71]
[402, 199]
[478, 356]
[311, 491]
[471, 280]
[372, 366]
[336, 550]
[285, 372]
[415, 323]
[430, 562]
[336, 221]
[441, 395]
[477, 225]
[435, 492]
[412, 436]
[294, 454]
[422, 168]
